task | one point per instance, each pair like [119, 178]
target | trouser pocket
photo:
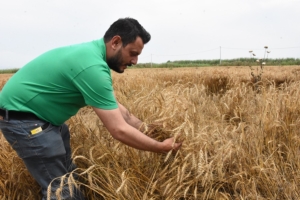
[44, 143]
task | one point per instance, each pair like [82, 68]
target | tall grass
[238, 144]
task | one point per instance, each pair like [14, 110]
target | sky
[180, 29]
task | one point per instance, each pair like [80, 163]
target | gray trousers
[46, 154]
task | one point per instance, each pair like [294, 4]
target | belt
[17, 115]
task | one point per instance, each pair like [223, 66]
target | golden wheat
[238, 143]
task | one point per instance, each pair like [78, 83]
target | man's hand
[155, 131]
[170, 145]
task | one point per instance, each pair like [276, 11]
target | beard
[115, 62]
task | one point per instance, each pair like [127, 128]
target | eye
[134, 54]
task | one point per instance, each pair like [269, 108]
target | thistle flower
[263, 63]
[250, 51]
[266, 47]
[268, 51]
[253, 54]
[257, 60]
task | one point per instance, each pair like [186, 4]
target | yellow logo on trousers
[37, 130]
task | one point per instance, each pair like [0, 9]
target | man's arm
[130, 118]
[148, 129]
[126, 133]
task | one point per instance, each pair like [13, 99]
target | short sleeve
[95, 85]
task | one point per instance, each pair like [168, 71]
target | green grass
[8, 71]
[216, 62]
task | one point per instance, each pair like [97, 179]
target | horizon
[174, 61]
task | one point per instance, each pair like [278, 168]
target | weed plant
[257, 74]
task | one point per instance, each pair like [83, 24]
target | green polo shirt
[55, 85]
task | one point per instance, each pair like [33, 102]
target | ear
[116, 41]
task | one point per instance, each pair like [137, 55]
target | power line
[259, 49]
[186, 54]
[219, 48]
[239, 48]
[287, 48]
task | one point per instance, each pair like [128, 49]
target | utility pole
[220, 55]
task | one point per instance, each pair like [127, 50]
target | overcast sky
[180, 29]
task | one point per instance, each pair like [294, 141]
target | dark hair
[128, 29]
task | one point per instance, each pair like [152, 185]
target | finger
[177, 146]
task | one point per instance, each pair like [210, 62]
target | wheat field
[241, 139]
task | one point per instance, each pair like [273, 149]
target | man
[42, 95]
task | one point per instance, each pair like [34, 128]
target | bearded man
[38, 99]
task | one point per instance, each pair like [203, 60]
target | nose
[134, 60]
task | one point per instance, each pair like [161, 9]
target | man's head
[124, 41]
